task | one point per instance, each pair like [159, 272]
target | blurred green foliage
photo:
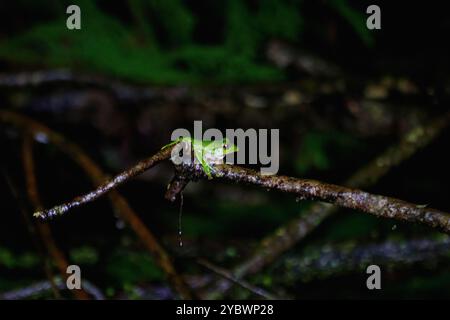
[11, 260]
[258, 218]
[158, 44]
[313, 153]
[356, 19]
[84, 255]
[426, 286]
[354, 226]
[128, 268]
[317, 147]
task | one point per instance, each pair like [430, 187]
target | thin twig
[103, 187]
[119, 202]
[244, 284]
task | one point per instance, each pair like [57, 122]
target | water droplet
[180, 239]
[180, 214]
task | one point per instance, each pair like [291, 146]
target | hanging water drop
[180, 213]
[180, 240]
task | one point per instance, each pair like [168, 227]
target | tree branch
[287, 235]
[305, 189]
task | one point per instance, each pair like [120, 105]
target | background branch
[229, 276]
[330, 260]
[121, 91]
[34, 237]
[287, 235]
[303, 188]
[43, 286]
[43, 228]
[120, 203]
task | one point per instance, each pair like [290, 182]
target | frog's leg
[198, 152]
[207, 168]
[171, 144]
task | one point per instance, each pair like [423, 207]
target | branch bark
[304, 189]
[287, 235]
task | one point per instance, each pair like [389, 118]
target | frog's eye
[226, 146]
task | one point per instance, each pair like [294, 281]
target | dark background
[145, 68]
